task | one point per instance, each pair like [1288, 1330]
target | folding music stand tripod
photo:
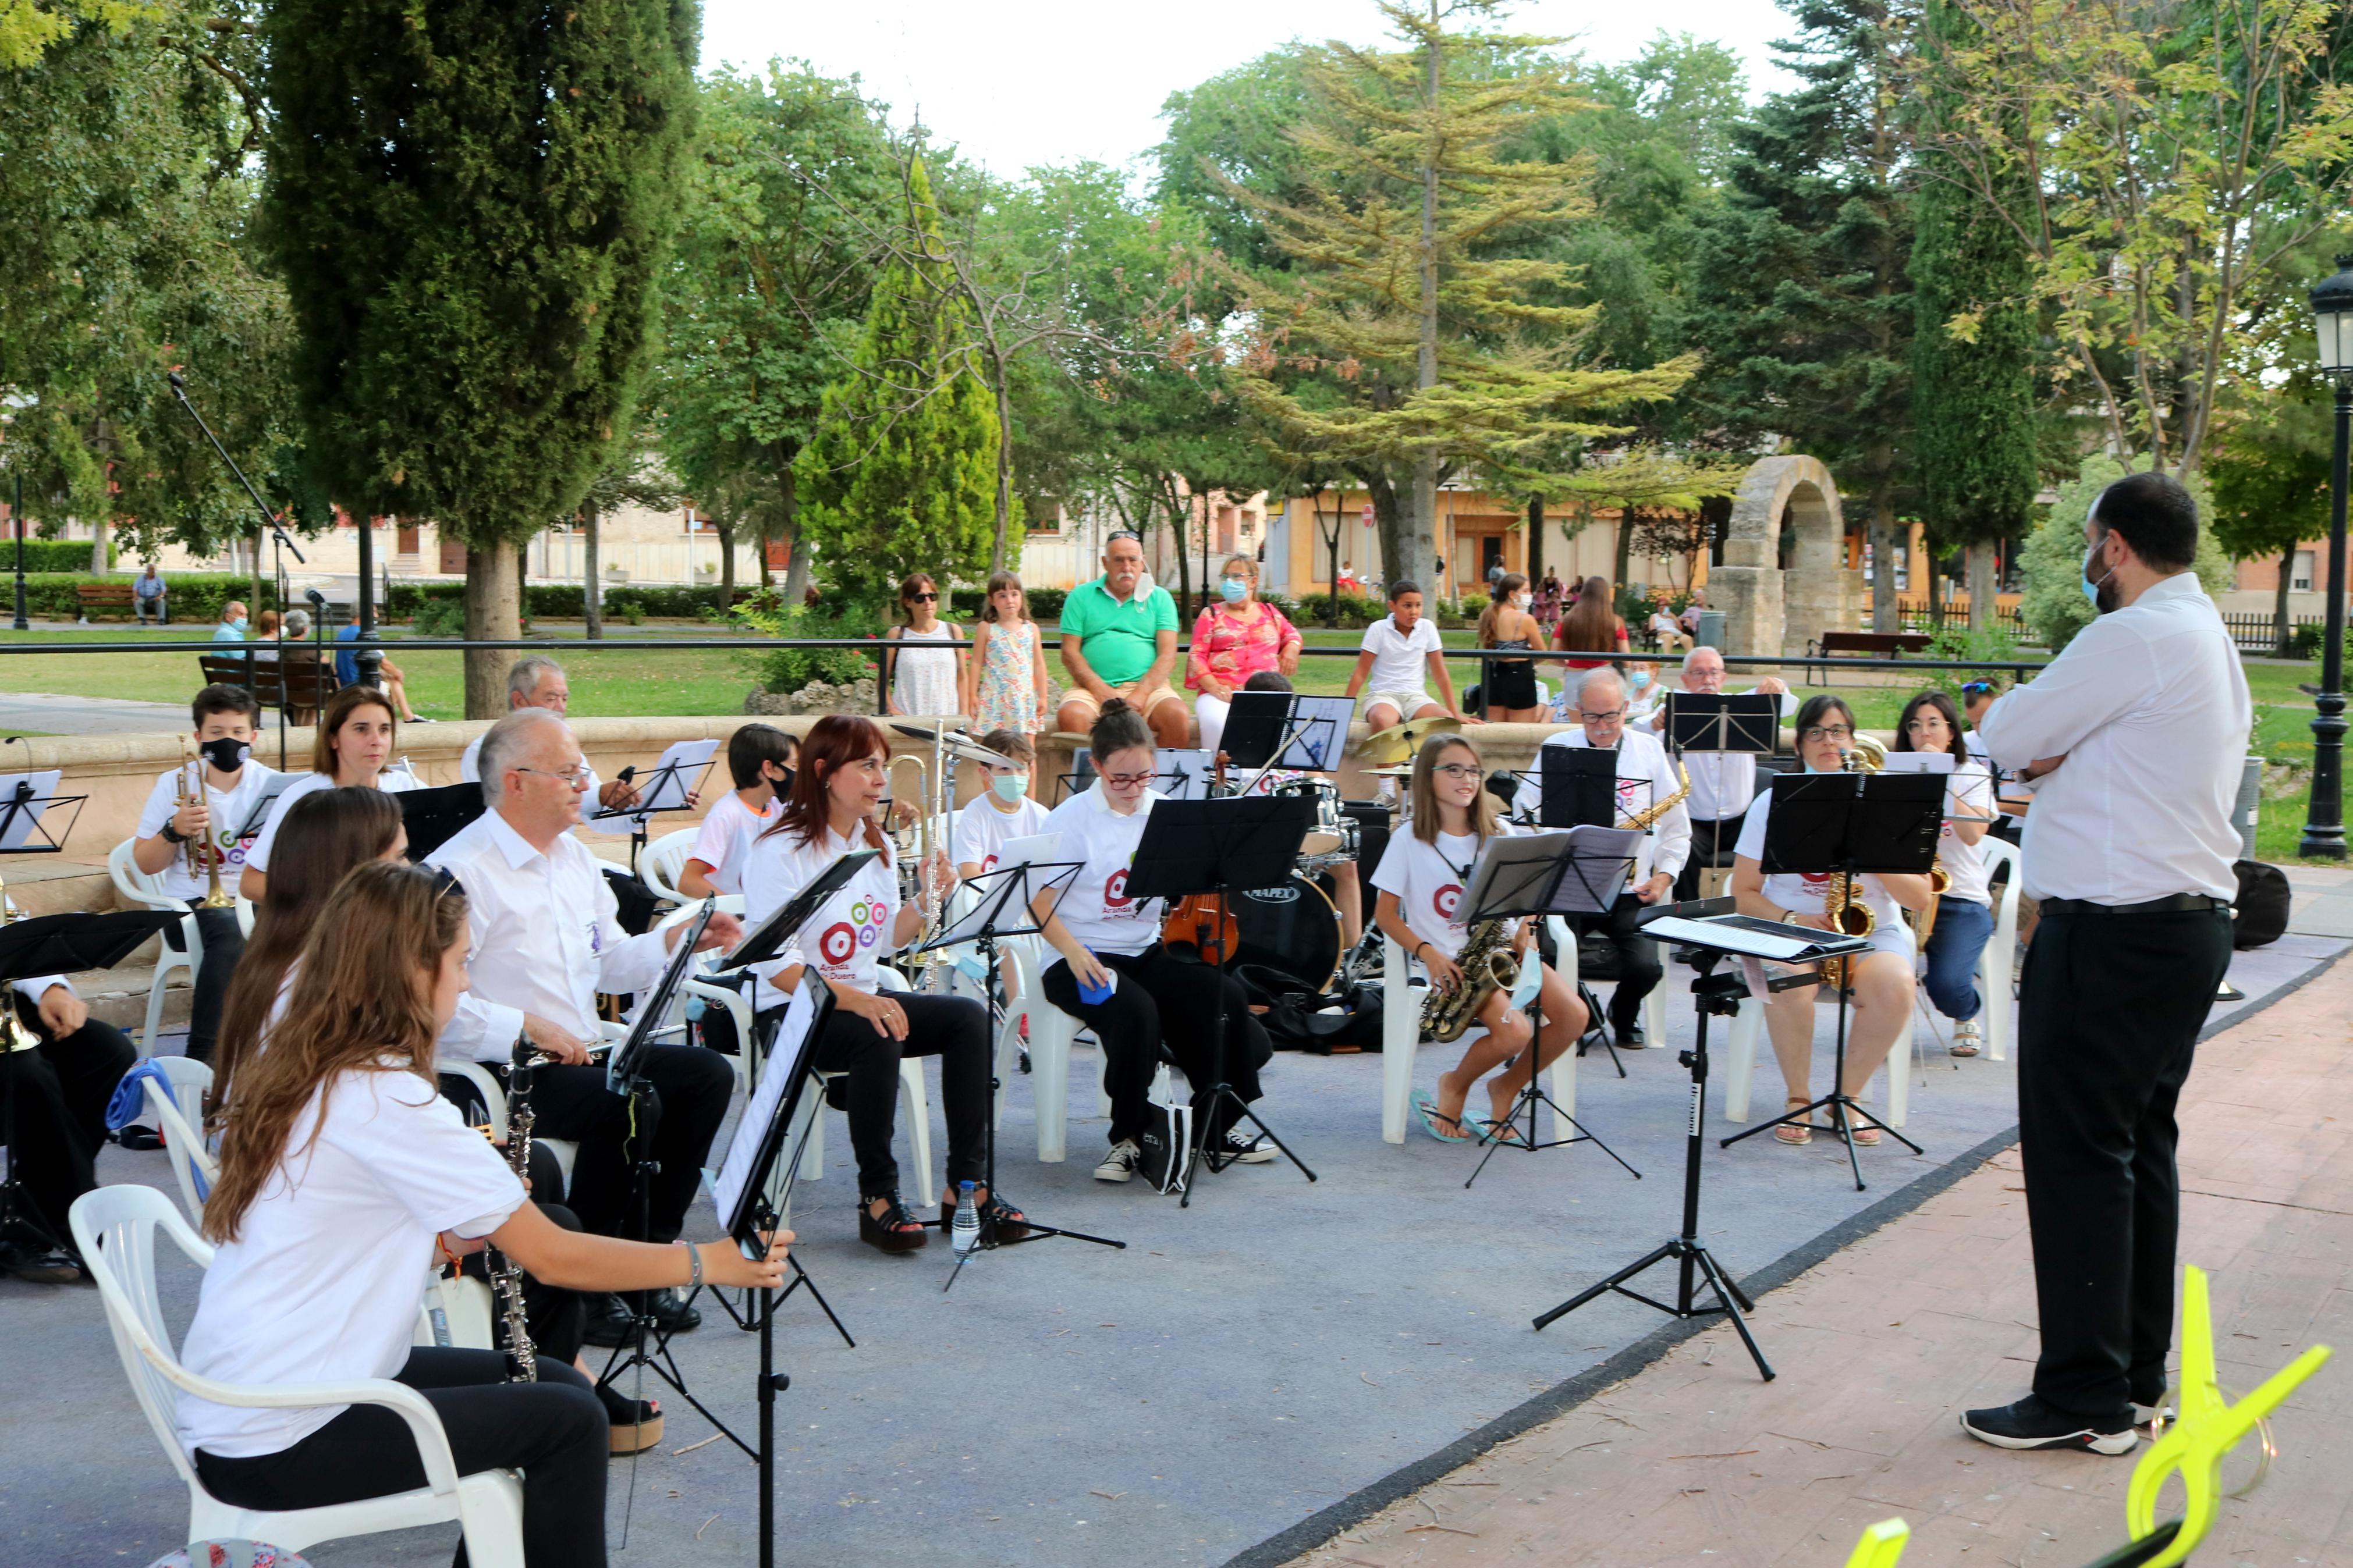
[1003, 910]
[1848, 824]
[1576, 873]
[434, 816]
[1218, 847]
[1719, 997]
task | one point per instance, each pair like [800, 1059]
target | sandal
[636, 1423]
[894, 1229]
[1434, 1122]
[1008, 1223]
[1794, 1132]
[1864, 1137]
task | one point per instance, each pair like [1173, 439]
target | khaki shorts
[1144, 704]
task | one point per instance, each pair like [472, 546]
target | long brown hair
[1424, 785]
[1510, 583]
[331, 718]
[1591, 626]
[1942, 704]
[832, 743]
[363, 1003]
[325, 833]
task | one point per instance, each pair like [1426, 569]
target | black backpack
[1295, 1018]
[2259, 914]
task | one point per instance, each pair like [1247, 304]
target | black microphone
[173, 377]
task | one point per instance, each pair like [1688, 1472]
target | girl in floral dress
[1008, 663]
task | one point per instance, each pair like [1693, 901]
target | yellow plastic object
[2208, 1427]
[1882, 1545]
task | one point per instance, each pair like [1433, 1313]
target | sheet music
[673, 776]
[1918, 763]
[1188, 771]
[23, 830]
[1318, 747]
[1025, 851]
[1748, 936]
[752, 1127]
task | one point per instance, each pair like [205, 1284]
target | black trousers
[1639, 968]
[223, 942]
[672, 1123]
[1165, 1008]
[952, 1028]
[553, 1431]
[58, 1092]
[2108, 1022]
[1711, 845]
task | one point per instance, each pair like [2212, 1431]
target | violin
[1201, 921]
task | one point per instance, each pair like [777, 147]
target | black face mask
[783, 786]
[226, 752]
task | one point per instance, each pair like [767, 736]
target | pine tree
[1799, 295]
[470, 202]
[900, 473]
[1972, 360]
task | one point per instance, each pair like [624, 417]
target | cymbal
[1396, 743]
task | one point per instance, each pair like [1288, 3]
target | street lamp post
[2323, 820]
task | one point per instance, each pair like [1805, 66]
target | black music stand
[665, 791]
[435, 817]
[1580, 871]
[1256, 722]
[1849, 823]
[272, 789]
[1747, 723]
[23, 817]
[1714, 995]
[1217, 846]
[751, 1195]
[54, 944]
[1004, 908]
[1577, 787]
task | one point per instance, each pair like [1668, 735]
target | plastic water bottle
[966, 1233]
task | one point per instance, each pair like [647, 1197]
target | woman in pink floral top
[1233, 640]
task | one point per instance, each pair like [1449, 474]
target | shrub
[1356, 610]
[790, 668]
[568, 601]
[195, 598]
[440, 617]
[58, 555]
[1994, 645]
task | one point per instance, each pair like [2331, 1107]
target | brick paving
[1696, 1461]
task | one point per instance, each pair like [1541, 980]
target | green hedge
[568, 601]
[195, 598]
[51, 554]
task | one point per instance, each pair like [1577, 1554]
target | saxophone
[1488, 965]
[1848, 915]
[1643, 820]
[506, 1274]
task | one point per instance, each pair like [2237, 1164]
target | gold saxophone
[1641, 821]
[1848, 915]
[1488, 965]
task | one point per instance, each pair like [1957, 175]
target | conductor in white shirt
[2138, 732]
[547, 940]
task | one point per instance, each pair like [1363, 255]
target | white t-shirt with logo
[257, 854]
[981, 830]
[229, 808]
[1805, 893]
[1431, 881]
[850, 932]
[1400, 659]
[720, 843]
[323, 1283]
[1096, 910]
[1970, 794]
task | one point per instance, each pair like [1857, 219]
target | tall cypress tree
[469, 202]
[1972, 359]
[900, 473]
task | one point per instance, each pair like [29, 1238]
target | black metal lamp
[2323, 820]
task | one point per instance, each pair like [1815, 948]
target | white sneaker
[1246, 1149]
[1968, 1036]
[1121, 1163]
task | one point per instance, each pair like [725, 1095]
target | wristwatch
[172, 835]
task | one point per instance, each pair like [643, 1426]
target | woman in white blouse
[1930, 722]
[1881, 978]
[342, 1176]
[350, 748]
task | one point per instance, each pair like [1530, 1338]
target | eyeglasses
[1457, 770]
[1601, 718]
[577, 776]
[923, 598]
[1829, 733]
[1127, 781]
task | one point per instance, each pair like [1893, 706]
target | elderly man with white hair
[546, 941]
[1722, 783]
[1645, 779]
[536, 680]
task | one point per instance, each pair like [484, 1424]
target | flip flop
[1490, 1131]
[1432, 1120]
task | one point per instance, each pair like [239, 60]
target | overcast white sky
[1021, 82]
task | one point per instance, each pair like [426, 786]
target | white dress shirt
[2151, 709]
[546, 938]
[1645, 777]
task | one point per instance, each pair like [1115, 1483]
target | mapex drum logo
[1447, 901]
[1286, 894]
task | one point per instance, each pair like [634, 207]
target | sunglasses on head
[1976, 688]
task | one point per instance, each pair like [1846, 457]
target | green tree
[769, 283]
[471, 204]
[900, 474]
[1802, 303]
[1973, 350]
[2268, 465]
[2052, 559]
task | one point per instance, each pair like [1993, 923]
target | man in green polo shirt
[1117, 642]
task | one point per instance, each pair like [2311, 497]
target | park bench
[1864, 645]
[301, 688]
[100, 599]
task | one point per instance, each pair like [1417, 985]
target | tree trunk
[2281, 631]
[1622, 555]
[494, 613]
[1885, 614]
[1179, 510]
[592, 590]
[1418, 536]
[1332, 550]
[1004, 471]
[98, 562]
[797, 569]
[1535, 542]
[1983, 585]
[727, 566]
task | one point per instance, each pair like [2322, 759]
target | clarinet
[506, 1275]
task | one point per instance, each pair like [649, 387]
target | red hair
[832, 743]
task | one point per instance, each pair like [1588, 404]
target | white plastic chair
[115, 1228]
[146, 889]
[914, 1098]
[1401, 1034]
[1748, 1026]
[179, 1117]
[1052, 1034]
[663, 862]
[1994, 963]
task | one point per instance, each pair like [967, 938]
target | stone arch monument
[1766, 610]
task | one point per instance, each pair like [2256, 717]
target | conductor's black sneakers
[2032, 1424]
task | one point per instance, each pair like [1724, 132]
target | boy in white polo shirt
[1390, 670]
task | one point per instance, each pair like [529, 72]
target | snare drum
[1332, 836]
[1292, 927]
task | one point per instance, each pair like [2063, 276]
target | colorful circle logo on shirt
[1115, 890]
[837, 943]
[866, 935]
[1815, 878]
[1447, 899]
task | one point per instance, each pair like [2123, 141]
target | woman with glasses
[1881, 978]
[928, 681]
[1965, 910]
[1421, 880]
[1234, 639]
[1145, 1004]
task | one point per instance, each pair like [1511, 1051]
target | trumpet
[203, 851]
[911, 849]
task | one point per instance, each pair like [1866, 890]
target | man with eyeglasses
[1119, 640]
[546, 941]
[1645, 777]
[536, 680]
[1722, 783]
